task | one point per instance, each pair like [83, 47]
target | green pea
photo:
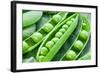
[62, 30]
[43, 51]
[40, 58]
[69, 23]
[49, 44]
[78, 45]
[58, 34]
[70, 55]
[25, 45]
[37, 37]
[65, 26]
[55, 39]
[56, 18]
[83, 24]
[83, 35]
[48, 27]
[72, 19]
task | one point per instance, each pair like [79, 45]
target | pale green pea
[55, 39]
[78, 45]
[65, 26]
[83, 35]
[49, 44]
[69, 23]
[37, 37]
[58, 34]
[62, 30]
[40, 58]
[70, 55]
[47, 27]
[56, 18]
[43, 51]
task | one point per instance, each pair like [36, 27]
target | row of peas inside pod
[37, 37]
[53, 42]
[80, 43]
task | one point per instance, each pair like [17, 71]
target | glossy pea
[65, 26]
[55, 39]
[58, 34]
[25, 45]
[84, 35]
[37, 37]
[56, 18]
[43, 51]
[78, 45]
[48, 27]
[70, 55]
[62, 30]
[40, 58]
[49, 44]
[69, 23]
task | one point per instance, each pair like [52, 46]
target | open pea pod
[85, 51]
[78, 46]
[36, 38]
[56, 38]
[69, 42]
[31, 17]
[87, 56]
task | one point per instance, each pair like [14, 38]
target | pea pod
[31, 17]
[36, 38]
[85, 50]
[54, 46]
[76, 49]
[86, 56]
[28, 31]
[69, 42]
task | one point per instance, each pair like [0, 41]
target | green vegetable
[34, 40]
[25, 45]
[78, 45]
[70, 55]
[43, 51]
[68, 23]
[55, 39]
[49, 44]
[47, 27]
[54, 48]
[37, 37]
[62, 30]
[84, 35]
[58, 34]
[31, 17]
[28, 31]
[65, 26]
[57, 18]
[40, 58]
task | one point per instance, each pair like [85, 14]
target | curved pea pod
[36, 38]
[28, 31]
[69, 42]
[78, 45]
[54, 45]
[85, 50]
[87, 56]
[31, 17]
